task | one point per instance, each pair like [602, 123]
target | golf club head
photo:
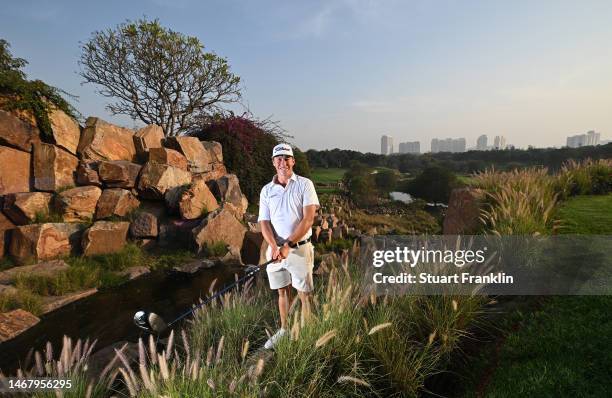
[150, 322]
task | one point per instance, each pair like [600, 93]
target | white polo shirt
[284, 206]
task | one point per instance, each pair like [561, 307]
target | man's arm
[268, 234]
[301, 229]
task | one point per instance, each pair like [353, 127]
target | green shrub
[216, 249]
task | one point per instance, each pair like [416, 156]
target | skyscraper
[410, 147]
[578, 140]
[499, 142]
[386, 145]
[481, 143]
[448, 145]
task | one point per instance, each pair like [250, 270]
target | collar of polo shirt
[293, 178]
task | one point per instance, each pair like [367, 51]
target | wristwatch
[290, 243]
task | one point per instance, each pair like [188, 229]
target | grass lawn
[327, 176]
[563, 348]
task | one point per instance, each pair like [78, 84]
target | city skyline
[337, 73]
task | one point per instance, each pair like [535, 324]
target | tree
[157, 75]
[386, 180]
[433, 184]
[33, 96]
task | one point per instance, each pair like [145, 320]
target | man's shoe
[272, 341]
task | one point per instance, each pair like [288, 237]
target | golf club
[153, 323]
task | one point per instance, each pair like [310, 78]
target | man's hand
[276, 254]
[284, 250]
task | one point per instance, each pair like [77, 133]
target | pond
[401, 196]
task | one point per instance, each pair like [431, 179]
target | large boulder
[79, 204]
[16, 133]
[193, 201]
[44, 241]
[168, 156]
[87, 173]
[103, 141]
[6, 226]
[15, 178]
[116, 202]
[227, 190]
[147, 138]
[53, 167]
[66, 131]
[144, 225]
[119, 173]
[254, 248]
[463, 213]
[105, 237]
[15, 322]
[219, 226]
[23, 208]
[215, 150]
[198, 158]
[155, 179]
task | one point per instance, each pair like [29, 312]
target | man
[287, 208]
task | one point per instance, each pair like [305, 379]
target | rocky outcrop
[169, 157]
[103, 141]
[78, 204]
[198, 158]
[147, 138]
[87, 173]
[119, 173]
[44, 241]
[105, 237]
[52, 303]
[46, 268]
[145, 225]
[116, 202]
[15, 322]
[53, 167]
[65, 130]
[155, 179]
[16, 133]
[23, 208]
[15, 178]
[6, 226]
[219, 226]
[463, 213]
[227, 190]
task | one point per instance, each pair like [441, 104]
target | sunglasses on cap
[286, 157]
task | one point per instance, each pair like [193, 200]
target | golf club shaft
[219, 293]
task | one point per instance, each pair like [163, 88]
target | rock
[103, 141]
[156, 179]
[145, 243]
[176, 233]
[147, 138]
[79, 204]
[104, 237]
[324, 224]
[218, 171]
[23, 208]
[254, 248]
[227, 189]
[66, 131]
[145, 225]
[194, 266]
[197, 200]
[53, 167]
[119, 173]
[135, 272]
[116, 202]
[215, 150]
[16, 133]
[337, 233]
[8, 290]
[6, 226]
[44, 241]
[54, 302]
[169, 157]
[46, 268]
[463, 213]
[17, 177]
[317, 220]
[332, 221]
[219, 226]
[158, 209]
[199, 160]
[325, 236]
[316, 231]
[15, 322]
[87, 173]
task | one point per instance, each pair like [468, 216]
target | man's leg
[284, 294]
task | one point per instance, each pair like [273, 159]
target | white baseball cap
[282, 149]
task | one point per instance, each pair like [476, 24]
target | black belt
[300, 243]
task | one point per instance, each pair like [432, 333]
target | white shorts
[296, 269]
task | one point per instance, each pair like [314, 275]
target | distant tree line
[464, 162]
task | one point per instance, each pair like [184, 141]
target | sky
[341, 73]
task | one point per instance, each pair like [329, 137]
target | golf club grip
[219, 293]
